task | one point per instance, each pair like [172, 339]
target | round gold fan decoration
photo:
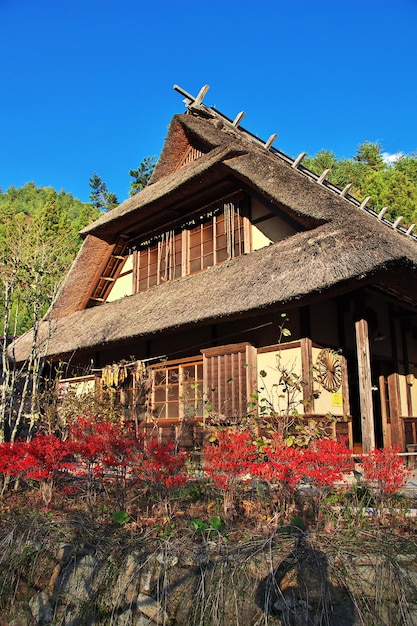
[329, 369]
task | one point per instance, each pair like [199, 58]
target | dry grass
[337, 577]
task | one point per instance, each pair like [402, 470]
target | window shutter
[229, 378]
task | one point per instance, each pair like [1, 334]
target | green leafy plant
[295, 528]
[121, 517]
[213, 526]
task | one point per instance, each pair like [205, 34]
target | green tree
[323, 160]
[342, 171]
[408, 166]
[370, 154]
[100, 196]
[389, 185]
[394, 189]
[34, 211]
[141, 175]
[33, 260]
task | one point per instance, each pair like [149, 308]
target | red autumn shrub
[386, 470]
[12, 458]
[103, 445]
[326, 462]
[45, 456]
[230, 458]
[162, 464]
[280, 464]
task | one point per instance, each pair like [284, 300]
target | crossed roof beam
[196, 103]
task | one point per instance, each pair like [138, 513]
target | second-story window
[218, 239]
[206, 239]
[159, 262]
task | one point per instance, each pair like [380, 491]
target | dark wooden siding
[229, 378]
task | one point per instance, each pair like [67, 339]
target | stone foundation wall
[123, 580]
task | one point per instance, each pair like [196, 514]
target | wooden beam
[190, 100]
[346, 189]
[397, 424]
[397, 221]
[270, 141]
[298, 160]
[239, 117]
[382, 212]
[386, 424]
[184, 93]
[365, 202]
[201, 95]
[410, 230]
[345, 397]
[365, 385]
[307, 373]
[251, 372]
[323, 176]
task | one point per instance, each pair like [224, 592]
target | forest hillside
[38, 241]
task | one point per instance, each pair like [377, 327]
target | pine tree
[100, 196]
[141, 175]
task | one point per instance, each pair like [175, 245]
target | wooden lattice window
[218, 239]
[159, 262]
[177, 390]
[191, 155]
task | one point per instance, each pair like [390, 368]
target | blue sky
[87, 85]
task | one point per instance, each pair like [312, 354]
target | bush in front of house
[102, 468]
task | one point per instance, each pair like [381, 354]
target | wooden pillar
[307, 374]
[385, 412]
[397, 424]
[365, 385]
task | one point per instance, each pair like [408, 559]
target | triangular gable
[191, 155]
[182, 146]
[185, 143]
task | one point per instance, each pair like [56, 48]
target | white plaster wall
[270, 230]
[123, 286]
[275, 364]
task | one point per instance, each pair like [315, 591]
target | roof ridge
[195, 105]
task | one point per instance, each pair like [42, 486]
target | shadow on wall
[300, 593]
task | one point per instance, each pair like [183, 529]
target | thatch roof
[342, 248]
[296, 269]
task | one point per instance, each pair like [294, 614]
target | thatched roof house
[199, 266]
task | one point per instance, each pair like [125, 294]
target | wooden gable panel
[181, 147]
[190, 155]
